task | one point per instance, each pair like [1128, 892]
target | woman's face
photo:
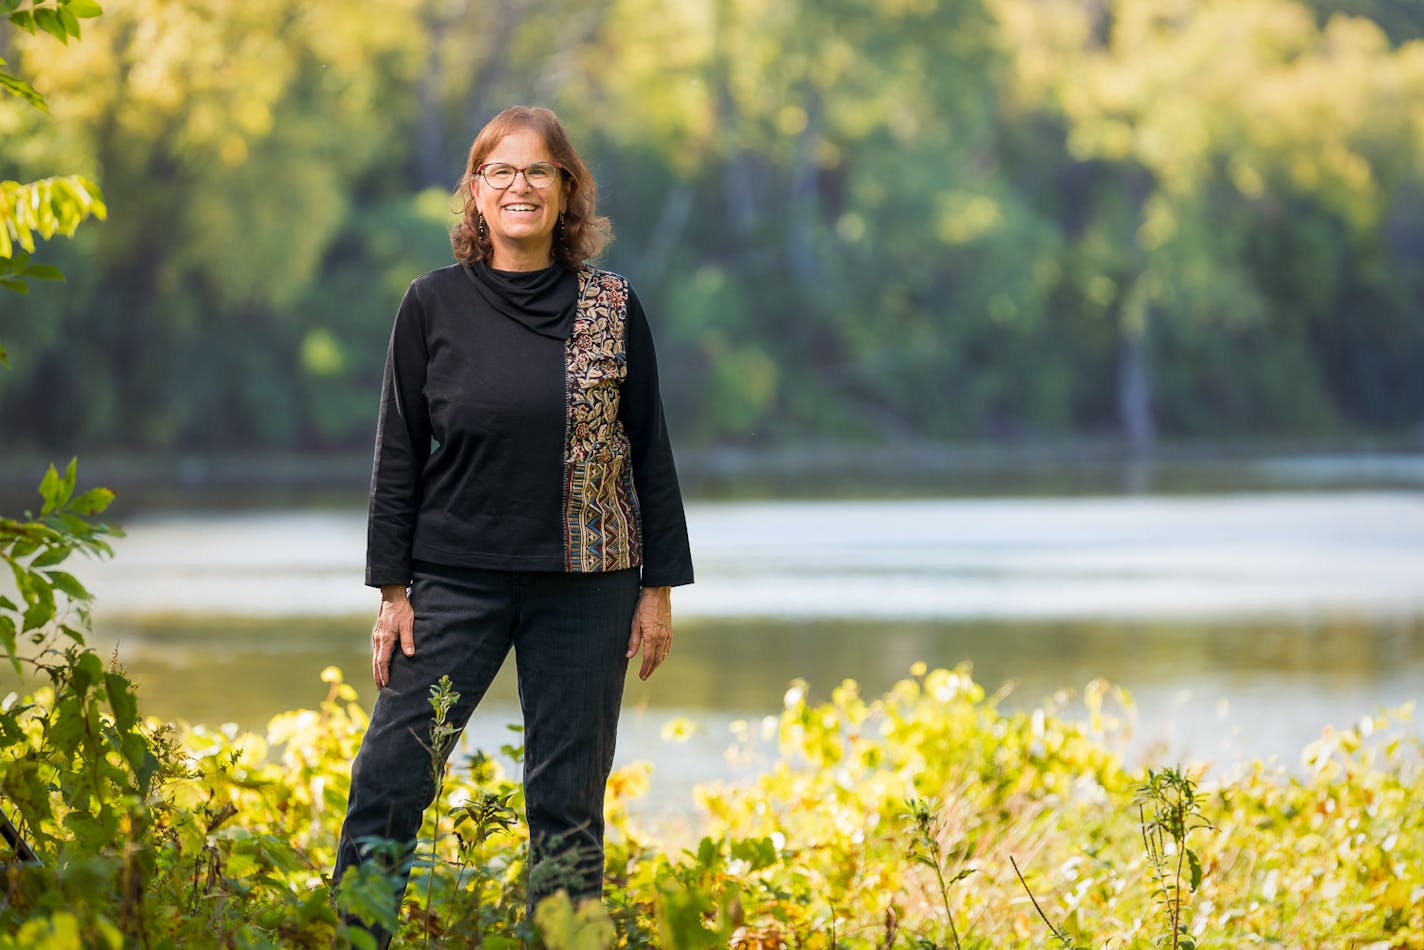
[520, 218]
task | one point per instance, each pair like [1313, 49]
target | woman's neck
[519, 258]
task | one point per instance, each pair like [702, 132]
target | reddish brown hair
[584, 233]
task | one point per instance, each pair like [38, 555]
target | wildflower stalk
[1171, 796]
[443, 697]
[925, 848]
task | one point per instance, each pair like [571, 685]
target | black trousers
[569, 633]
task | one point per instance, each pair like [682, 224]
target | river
[1241, 624]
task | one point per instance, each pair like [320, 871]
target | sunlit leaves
[797, 855]
[41, 209]
[18, 87]
[59, 18]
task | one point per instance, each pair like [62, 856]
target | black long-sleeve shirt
[523, 437]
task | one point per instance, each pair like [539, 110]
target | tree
[1202, 129]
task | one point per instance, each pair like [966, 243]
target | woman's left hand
[652, 628]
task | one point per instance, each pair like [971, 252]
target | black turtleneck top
[521, 428]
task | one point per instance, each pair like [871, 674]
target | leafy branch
[34, 548]
[49, 206]
[58, 18]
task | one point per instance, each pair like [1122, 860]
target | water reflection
[1281, 680]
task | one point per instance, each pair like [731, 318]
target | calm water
[1241, 624]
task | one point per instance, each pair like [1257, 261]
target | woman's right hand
[394, 623]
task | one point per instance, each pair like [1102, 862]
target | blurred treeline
[849, 219]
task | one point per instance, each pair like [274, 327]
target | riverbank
[926, 816]
[806, 470]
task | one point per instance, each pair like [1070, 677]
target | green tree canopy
[868, 219]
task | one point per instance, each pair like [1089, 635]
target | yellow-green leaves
[18, 87]
[60, 18]
[41, 209]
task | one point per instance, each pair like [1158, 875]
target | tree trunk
[677, 208]
[431, 163]
[1134, 386]
[804, 201]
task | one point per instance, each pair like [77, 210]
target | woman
[523, 495]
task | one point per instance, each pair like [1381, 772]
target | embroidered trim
[602, 530]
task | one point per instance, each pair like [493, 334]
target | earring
[563, 229]
[482, 225]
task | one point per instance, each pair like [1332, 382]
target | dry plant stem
[1057, 934]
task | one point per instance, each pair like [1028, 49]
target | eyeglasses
[500, 176]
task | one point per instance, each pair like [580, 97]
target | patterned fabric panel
[601, 524]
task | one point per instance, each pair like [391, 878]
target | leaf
[69, 585]
[49, 21]
[44, 272]
[18, 87]
[37, 616]
[24, 20]
[56, 554]
[69, 21]
[88, 670]
[84, 8]
[708, 852]
[69, 524]
[7, 637]
[14, 284]
[1196, 869]
[122, 700]
[93, 501]
[757, 852]
[50, 490]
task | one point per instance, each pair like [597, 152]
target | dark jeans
[569, 633]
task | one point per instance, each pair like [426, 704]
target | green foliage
[51, 600]
[990, 219]
[59, 19]
[50, 206]
[78, 766]
[818, 851]
[41, 209]
[1175, 814]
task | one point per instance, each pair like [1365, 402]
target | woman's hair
[584, 232]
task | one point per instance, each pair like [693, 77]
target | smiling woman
[509, 218]
[523, 497]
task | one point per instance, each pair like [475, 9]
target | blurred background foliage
[856, 220]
